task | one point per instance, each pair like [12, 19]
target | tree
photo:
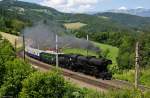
[144, 40]
[46, 85]
[6, 54]
[16, 71]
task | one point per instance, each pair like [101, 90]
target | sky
[81, 6]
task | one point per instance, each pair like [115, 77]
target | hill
[132, 21]
[29, 14]
[138, 11]
[16, 15]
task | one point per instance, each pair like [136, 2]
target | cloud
[122, 8]
[139, 7]
[76, 6]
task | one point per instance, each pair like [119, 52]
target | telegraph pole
[88, 44]
[24, 55]
[15, 47]
[57, 63]
[137, 65]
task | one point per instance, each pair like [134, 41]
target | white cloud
[139, 7]
[122, 8]
[79, 6]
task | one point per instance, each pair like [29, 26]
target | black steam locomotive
[88, 65]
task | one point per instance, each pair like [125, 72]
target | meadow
[74, 26]
[12, 38]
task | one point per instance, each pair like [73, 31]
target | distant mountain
[132, 21]
[139, 11]
[31, 10]
[101, 22]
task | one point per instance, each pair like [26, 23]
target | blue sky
[92, 5]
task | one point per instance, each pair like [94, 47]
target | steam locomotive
[88, 65]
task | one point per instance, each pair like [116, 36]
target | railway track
[103, 84]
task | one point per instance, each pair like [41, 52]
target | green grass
[120, 93]
[80, 51]
[128, 75]
[113, 51]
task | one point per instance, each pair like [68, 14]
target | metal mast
[57, 63]
[88, 44]
[137, 65]
[24, 55]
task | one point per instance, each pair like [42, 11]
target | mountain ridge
[95, 23]
[138, 11]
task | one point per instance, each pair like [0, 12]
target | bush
[6, 53]
[47, 85]
[16, 71]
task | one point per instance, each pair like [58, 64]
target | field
[74, 26]
[80, 51]
[12, 38]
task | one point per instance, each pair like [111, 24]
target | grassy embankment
[12, 38]
[128, 75]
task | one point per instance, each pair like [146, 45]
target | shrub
[16, 71]
[47, 85]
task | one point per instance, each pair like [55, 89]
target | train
[88, 65]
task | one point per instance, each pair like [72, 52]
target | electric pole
[88, 44]
[24, 55]
[15, 47]
[137, 65]
[57, 63]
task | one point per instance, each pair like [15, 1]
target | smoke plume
[42, 36]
